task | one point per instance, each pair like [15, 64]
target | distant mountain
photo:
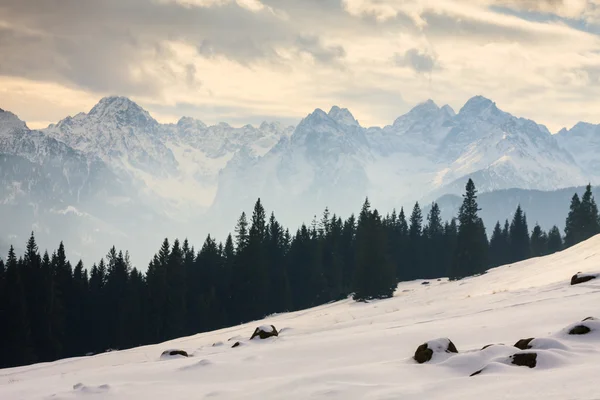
[430, 151]
[547, 208]
[583, 142]
[115, 175]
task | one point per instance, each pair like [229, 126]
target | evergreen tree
[241, 233]
[434, 236]
[574, 223]
[279, 296]
[450, 241]
[98, 311]
[555, 242]
[471, 247]
[117, 280]
[174, 317]
[589, 215]
[3, 314]
[539, 242]
[19, 349]
[519, 237]
[77, 333]
[497, 247]
[156, 278]
[375, 275]
[415, 244]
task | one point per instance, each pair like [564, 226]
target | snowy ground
[364, 351]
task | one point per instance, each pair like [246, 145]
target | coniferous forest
[50, 309]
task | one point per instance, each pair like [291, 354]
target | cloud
[312, 45]
[419, 61]
[286, 57]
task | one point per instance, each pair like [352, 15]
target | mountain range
[115, 175]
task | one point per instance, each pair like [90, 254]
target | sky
[245, 61]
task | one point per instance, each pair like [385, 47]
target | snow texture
[349, 350]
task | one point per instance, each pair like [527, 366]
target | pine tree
[38, 299]
[117, 279]
[539, 242]
[79, 314]
[3, 315]
[555, 242]
[471, 248]
[415, 244]
[279, 297]
[175, 310]
[156, 278]
[574, 223]
[497, 247]
[520, 247]
[589, 215]
[98, 308]
[434, 236]
[375, 275]
[449, 250]
[241, 233]
[19, 345]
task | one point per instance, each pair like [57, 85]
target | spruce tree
[539, 242]
[589, 215]
[374, 277]
[497, 247]
[415, 244]
[555, 242]
[279, 296]
[434, 236]
[18, 338]
[574, 223]
[520, 248]
[175, 311]
[470, 256]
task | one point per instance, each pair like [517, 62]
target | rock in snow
[173, 353]
[524, 359]
[426, 351]
[523, 344]
[581, 278]
[264, 332]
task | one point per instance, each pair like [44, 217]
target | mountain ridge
[191, 173]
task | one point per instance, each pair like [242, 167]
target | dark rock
[265, 332]
[477, 372]
[523, 344]
[236, 344]
[451, 347]
[579, 330]
[576, 279]
[425, 283]
[524, 359]
[590, 319]
[175, 353]
[424, 353]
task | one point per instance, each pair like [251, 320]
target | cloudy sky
[244, 61]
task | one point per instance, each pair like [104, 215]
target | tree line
[50, 309]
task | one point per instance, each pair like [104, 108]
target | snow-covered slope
[349, 350]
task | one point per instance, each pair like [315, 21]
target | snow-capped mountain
[583, 142]
[175, 165]
[330, 160]
[116, 165]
